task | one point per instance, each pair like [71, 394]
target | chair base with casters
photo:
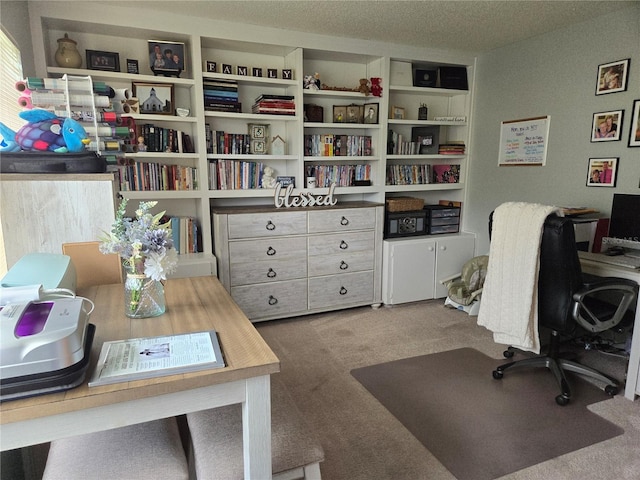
[558, 366]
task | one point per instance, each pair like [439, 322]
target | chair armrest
[587, 318]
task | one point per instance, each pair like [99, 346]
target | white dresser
[280, 263]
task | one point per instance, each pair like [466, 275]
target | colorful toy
[45, 132]
[376, 88]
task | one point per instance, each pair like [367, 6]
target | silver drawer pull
[271, 225]
[271, 273]
[344, 221]
[344, 245]
[272, 300]
[343, 291]
[343, 265]
[271, 251]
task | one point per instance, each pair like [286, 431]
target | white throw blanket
[509, 306]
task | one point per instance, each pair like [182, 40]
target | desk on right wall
[633, 370]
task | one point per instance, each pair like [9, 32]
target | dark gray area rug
[481, 428]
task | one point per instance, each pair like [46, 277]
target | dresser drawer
[341, 243]
[267, 224]
[271, 300]
[337, 290]
[267, 271]
[343, 219]
[273, 249]
[340, 263]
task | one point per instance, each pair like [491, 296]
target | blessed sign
[304, 199]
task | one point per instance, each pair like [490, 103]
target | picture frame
[105, 61]
[339, 114]
[167, 58]
[612, 77]
[634, 130]
[397, 113]
[602, 172]
[371, 113]
[155, 98]
[132, 66]
[354, 114]
[606, 126]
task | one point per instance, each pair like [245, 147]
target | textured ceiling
[470, 26]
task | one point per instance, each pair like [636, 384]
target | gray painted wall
[15, 19]
[554, 74]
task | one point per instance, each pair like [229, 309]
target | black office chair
[568, 298]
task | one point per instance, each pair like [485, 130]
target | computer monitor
[624, 225]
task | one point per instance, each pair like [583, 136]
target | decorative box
[313, 113]
[404, 204]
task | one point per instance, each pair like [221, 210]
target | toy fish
[45, 132]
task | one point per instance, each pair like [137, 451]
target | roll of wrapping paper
[85, 116]
[22, 87]
[105, 131]
[48, 98]
[35, 83]
[122, 94]
[25, 101]
[106, 145]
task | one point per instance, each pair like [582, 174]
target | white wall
[553, 74]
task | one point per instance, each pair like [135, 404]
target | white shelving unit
[337, 69]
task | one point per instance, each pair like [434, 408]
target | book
[150, 357]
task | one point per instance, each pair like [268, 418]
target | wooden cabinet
[412, 268]
[279, 264]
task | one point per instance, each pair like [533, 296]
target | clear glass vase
[143, 296]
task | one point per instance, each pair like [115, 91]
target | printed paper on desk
[140, 358]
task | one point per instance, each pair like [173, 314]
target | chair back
[92, 266]
[560, 275]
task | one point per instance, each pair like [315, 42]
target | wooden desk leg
[256, 428]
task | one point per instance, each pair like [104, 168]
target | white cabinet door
[451, 255]
[407, 272]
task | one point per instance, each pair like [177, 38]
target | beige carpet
[481, 428]
[363, 440]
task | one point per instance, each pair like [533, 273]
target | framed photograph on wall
[602, 172]
[106, 61]
[154, 98]
[166, 58]
[612, 77]
[606, 126]
[634, 131]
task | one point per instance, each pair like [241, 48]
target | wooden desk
[632, 387]
[193, 304]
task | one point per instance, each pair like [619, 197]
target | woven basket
[404, 204]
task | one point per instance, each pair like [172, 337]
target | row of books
[149, 176]
[341, 175]
[219, 142]
[408, 174]
[160, 139]
[221, 96]
[274, 105]
[185, 234]
[234, 174]
[329, 145]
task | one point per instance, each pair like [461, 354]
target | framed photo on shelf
[602, 172]
[339, 114]
[154, 98]
[132, 66]
[167, 58]
[634, 131]
[106, 61]
[397, 113]
[606, 126]
[612, 77]
[354, 114]
[371, 113]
